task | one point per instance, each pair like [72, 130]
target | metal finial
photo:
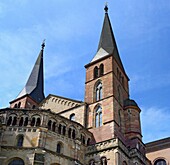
[106, 7]
[43, 44]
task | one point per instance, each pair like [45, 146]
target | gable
[58, 104]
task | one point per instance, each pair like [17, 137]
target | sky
[72, 31]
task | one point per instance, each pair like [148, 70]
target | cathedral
[104, 129]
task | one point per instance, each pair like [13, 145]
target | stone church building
[105, 129]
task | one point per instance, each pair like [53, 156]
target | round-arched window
[59, 148]
[72, 117]
[16, 161]
[160, 162]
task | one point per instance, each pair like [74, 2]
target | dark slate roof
[130, 102]
[107, 41]
[107, 44]
[35, 84]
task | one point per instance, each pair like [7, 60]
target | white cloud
[155, 123]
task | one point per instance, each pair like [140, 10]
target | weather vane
[106, 7]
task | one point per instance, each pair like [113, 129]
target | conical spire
[35, 84]
[107, 44]
[107, 41]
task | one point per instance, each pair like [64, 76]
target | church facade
[105, 129]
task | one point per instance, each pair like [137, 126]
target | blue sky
[72, 30]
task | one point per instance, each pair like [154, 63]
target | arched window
[49, 124]
[96, 74]
[103, 161]
[9, 121]
[64, 129]
[98, 92]
[98, 117]
[59, 149]
[33, 121]
[38, 122]
[59, 128]
[21, 121]
[101, 69]
[16, 161]
[69, 133]
[72, 117]
[53, 126]
[20, 140]
[160, 162]
[26, 121]
[83, 138]
[74, 134]
[14, 121]
[19, 104]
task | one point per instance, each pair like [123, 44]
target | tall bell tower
[109, 109]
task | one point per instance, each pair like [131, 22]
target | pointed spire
[107, 40]
[35, 84]
[107, 44]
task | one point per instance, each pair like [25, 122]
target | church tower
[106, 87]
[33, 92]
[111, 113]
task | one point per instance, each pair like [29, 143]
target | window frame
[101, 68]
[72, 117]
[98, 91]
[160, 161]
[98, 116]
[95, 72]
[20, 141]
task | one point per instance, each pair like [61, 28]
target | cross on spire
[43, 44]
[106, 8]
